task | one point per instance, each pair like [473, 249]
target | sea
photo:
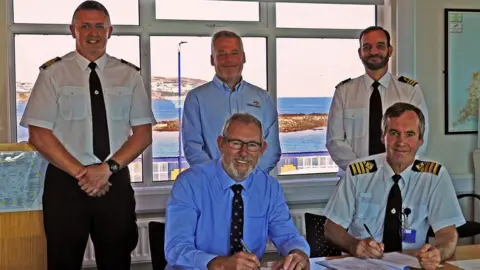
[166, 144]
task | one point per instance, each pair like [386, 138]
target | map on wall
[21, 181]
[462, 70]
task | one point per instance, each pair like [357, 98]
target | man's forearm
[134, 146]
[340, 237]
[52, 150]
[446, 242]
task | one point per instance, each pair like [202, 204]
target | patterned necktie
[375, 145]
[392, 225]
[236, 227]
[101, 142]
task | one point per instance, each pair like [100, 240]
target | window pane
[31, 51]
[61, 11]
[195, 71]
[330, 16]
[207, 10]
[304, 97]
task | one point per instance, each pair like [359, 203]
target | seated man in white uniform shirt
[398, 213]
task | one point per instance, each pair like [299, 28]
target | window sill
[300, 191]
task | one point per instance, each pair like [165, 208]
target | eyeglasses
[238, 144]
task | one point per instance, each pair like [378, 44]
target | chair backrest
[156, 236]
[319, 245]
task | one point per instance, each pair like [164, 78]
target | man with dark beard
[216, 205]
[354, 120]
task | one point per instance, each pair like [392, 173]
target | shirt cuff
[457, 221]
[143, 121]
[34, 122]
[298, 244]
[202, 259]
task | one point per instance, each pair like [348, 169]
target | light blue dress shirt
[199, 211]
[361, 199]
[206, 109]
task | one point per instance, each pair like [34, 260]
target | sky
[305, 67]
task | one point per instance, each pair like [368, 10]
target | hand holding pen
[248, 250]
[368, 247]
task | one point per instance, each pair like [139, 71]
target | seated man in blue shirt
[395, 198]
[208, 106]
[221, 212]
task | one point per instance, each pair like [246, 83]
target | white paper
[467, 264]
[351, 263]
[399, 260]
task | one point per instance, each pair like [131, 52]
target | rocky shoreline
[287, 123]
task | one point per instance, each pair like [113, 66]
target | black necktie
[392, 226]
[236, 227]
[375, 145]
[101, 142]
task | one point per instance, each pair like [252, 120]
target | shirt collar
[83, 62]
[226, 181]
[384, 81]
[388, 171]
[220, 84]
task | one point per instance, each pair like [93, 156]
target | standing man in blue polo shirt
[208, 106]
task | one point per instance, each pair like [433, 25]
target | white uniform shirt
[60, 101]
[361, 198]
[348, 119]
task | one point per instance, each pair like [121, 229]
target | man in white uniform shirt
[89, 115]
[354, 127]
[396, 198]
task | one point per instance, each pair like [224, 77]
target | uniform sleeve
[341, 205]
[181, 221]
[141, 109]
[443, 207]
[419, 101]
[192, 133]
[337, 145]
[272, 154]
[41, 109]
[281, 229]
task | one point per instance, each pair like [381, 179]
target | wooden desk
[468, 252]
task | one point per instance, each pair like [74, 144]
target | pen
[368, 231]
[246, 249]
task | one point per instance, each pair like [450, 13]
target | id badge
[408, 235]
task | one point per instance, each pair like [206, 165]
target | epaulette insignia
[363, 167]
[407, 80]
[426, 167]
[50, 62]
[343, 82]
[130, 64]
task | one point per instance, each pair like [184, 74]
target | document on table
[389, 261]
[467, 264]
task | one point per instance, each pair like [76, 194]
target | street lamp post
[180, 106]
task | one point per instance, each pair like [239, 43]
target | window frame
[150, 26]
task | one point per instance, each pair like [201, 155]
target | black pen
[368, 231]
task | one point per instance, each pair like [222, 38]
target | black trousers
[70, 216]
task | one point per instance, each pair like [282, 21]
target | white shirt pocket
[119, 102]
[354, 123]
[72, 103]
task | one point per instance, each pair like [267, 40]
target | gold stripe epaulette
[363, 167]
[407, 80]
[426, 167]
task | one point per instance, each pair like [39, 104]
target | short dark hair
[226, 34]
[245, 118]
[374, 28]
[399, 108]
[91, 5]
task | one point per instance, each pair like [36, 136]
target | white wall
[454, 151]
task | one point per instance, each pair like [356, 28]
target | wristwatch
[113, 165]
